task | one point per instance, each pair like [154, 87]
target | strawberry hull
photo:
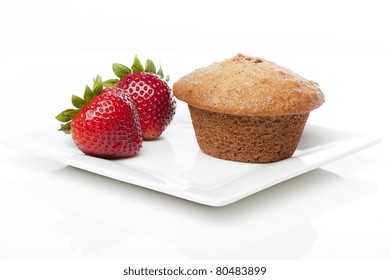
[107, 127]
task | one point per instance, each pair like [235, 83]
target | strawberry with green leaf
[151, 94]
[104, 123]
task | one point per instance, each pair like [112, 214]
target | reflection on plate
[174, 164]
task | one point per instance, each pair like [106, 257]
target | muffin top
[248, 86]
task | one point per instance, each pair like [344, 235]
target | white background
[51, 49]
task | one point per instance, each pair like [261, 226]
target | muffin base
[259, 139]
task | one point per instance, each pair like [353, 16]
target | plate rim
[88, 163]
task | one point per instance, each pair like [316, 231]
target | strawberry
[104, 124]
[151, 94]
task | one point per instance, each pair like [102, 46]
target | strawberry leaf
[150, 67]
[110, 83]
[97, 85]
[137, 65]
[67, 115]
[120, 70]
[160, 72]
[88, 94]
[65, 127]
[77, 101]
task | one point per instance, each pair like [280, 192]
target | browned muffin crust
[248, 86]
[258, 139]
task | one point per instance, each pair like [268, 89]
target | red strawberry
[151, 94]
[106, 123]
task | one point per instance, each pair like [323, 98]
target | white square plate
[174, 164]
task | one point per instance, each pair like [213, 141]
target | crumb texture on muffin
[249, 86]
[247, 108]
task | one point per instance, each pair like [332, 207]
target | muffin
[248, 109]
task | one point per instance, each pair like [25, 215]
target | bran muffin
[248, 109]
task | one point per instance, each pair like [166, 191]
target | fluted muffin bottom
[259, 139]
